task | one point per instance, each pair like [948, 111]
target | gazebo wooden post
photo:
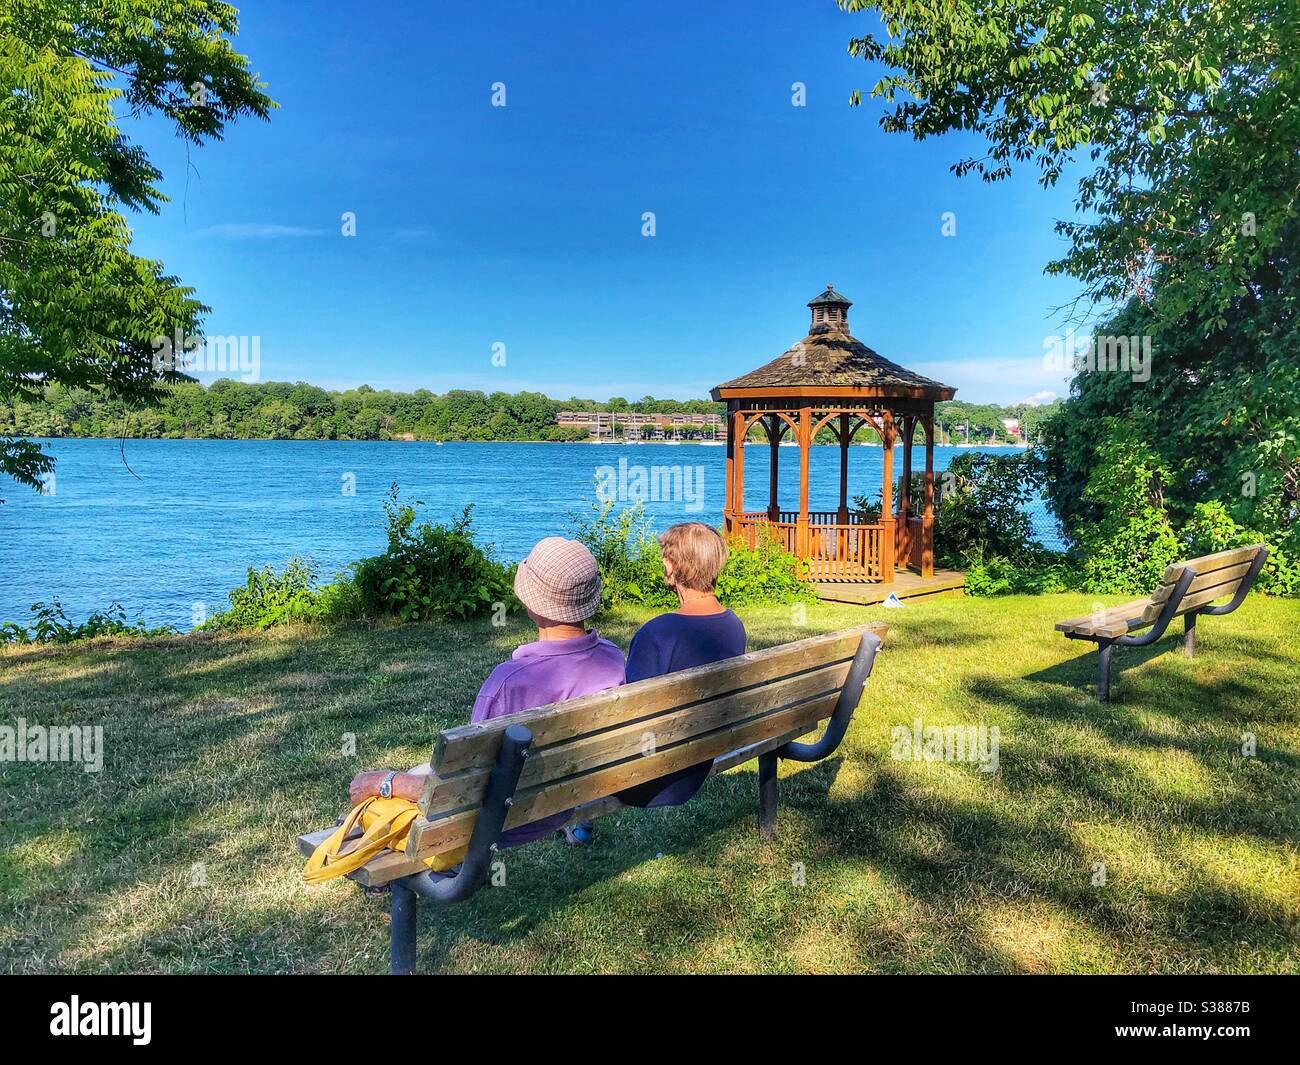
[729, 509]
[774, 427]
[905, 495]
[805, 448]
[927, 517]
[844, 470]
[887, 521]
[739, 427]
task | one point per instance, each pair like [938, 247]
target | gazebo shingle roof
[829, 358]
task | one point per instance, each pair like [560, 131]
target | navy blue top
[664, 645]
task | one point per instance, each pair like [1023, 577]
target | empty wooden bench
[578, 754]
[1187, 589]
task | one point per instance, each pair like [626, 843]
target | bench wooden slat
[434, 836]
[476, 744]
[1210, 563]
[391, 866]
[1212, 578]
[1100, 619]
[448, 794]
[1207, 596]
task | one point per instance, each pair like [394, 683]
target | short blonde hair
[697, 552]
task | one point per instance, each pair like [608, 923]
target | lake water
[170, 530]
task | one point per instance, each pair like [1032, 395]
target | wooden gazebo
[832, 380]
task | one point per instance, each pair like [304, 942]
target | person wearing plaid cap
[559, 585]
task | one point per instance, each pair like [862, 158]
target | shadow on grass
[221, 752]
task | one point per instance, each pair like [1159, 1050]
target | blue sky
[522, 225]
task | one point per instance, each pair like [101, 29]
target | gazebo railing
[844, 552]
[750, 527]
[822, 517]
[835, 552]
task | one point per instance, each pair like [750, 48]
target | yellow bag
[385, 823]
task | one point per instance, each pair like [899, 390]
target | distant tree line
[981, 423]
[233, 410]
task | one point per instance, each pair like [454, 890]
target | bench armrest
[1247, 581]
[497, 800]
[850, 696]
[1167, 611]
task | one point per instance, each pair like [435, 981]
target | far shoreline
[411, 440]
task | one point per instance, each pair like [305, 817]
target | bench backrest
[1217, 576]
[593, 746]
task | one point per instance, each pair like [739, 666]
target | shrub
[274, 598]
[764, 574]
[1128, 548]
[627, 552]
[51, 625]
[632, 571]
[430, 571]
[982, 526]
[982, 513]
[1212, 529]
[1042, 573]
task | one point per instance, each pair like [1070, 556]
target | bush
[982, 526]
[632, 570]
[1212, 529]
[51, 625]
[981, 511]
[430, 571]
[1042, 573]
[270, 598]
[627, 553]
[1128, 548]
[765, 574]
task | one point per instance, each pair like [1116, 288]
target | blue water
[169, 532]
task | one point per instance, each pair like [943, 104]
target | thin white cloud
[414, 235]
[1040, 399]
[257, 231]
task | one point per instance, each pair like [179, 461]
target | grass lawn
[219, 751]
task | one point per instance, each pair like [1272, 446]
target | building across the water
[632, 425]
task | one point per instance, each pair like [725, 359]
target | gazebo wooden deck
[830, 380]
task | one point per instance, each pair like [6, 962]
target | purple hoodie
[541, 673]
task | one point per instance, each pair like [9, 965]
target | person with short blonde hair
[701, 630]
[696, 554]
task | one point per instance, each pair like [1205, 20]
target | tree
[1186, 120]
[1188, 110]
[77, 307]
[1221, 411]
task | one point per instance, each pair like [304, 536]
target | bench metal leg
[767, 795]
[1189, 635]
[406, 905]
[1103, 671]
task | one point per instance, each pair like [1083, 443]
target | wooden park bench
[1187, 589]
[579, 754]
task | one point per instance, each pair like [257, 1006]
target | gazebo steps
[906, 585]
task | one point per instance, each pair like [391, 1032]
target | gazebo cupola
[830, 312]
[831, 381]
